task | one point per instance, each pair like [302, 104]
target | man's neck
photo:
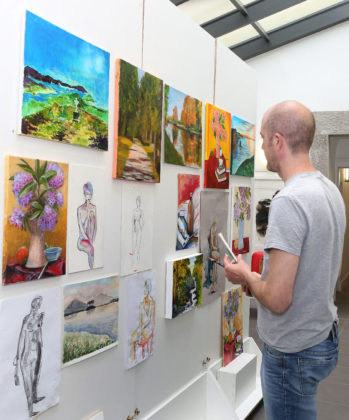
[295, 165]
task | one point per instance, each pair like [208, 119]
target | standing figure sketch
[213, 257]
[29, 354]
[137, 227]
[87, 221]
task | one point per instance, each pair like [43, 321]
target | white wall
[183, 55]
[313, 70]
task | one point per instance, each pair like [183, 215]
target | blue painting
[243, 144]
[65, 86]
[90, 317]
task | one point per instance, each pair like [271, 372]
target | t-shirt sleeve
[287, 226]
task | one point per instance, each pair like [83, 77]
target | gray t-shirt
[307, 219]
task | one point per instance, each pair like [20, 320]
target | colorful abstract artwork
[30, 349]
[141, 310]
[91, 313]
[188, 216]
[184, 278]
[214, 208]
[217, 147]
[65, 86]
[137, 126]
[35, 225]
[232, 324]
[86, 217]
[243, 144]
[241, 198]
[182, 129]
[137, 223]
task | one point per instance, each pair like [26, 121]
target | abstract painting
[141, 310]
[30, 349]
[217, 148]
[243, 144]
[86, 217]
[65, 86]
[214, 219]
[182, 129]
[188, 216]
[137, 126]
[35, 224]
[91, 313]
[232, 324]
[183, 285]
[241, 209]
[137, 227]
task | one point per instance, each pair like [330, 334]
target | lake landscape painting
[91, 312]
[182, 128]
[243, 144]
[137, 125]
[65, 86]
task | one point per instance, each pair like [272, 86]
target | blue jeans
[290, 380]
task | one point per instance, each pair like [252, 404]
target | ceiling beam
[296, 30]
[178, 2]
[255, 11]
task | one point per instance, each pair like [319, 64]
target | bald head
[294, 122]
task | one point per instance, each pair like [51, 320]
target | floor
[333, 394]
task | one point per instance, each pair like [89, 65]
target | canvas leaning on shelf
[141, 310]
[232, 324]
[30, 349]
[217, 147]
[182, 128]
[241, 223]
[188, 215]
[184, 278]
[214, 219]
[86, 217]
[35, 223]
[91, 316]
[137, 125]
[243, 145]
[65, 86]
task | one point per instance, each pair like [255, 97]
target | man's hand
[236, 273]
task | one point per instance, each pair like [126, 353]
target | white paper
[85, 239]
[137, 227]
[15, 312]
[141, 310]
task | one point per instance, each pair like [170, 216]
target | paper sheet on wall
[30, 347]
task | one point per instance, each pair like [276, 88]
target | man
[303, 248]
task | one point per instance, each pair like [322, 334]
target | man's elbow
[280, 306]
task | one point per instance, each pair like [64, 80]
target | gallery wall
[154, 35]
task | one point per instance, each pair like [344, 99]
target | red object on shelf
[257, 262]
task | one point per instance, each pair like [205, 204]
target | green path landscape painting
[137, 125]
[65, 86]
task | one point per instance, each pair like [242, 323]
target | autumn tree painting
[182, 130]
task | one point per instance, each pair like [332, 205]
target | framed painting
[243, 145]
[35, 224]
[91, 314]
[214, 207]
[137, 126]
[241, 229]
[141, 314]
[137, 224]
[86, 217]
[65, 86]
[30, 348]
[188, 215]
[184, 278]
[217, 147]
[232, 324]
[182, 128]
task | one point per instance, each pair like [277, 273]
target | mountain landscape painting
[65, 86]
[243, 144]
[91, 312]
